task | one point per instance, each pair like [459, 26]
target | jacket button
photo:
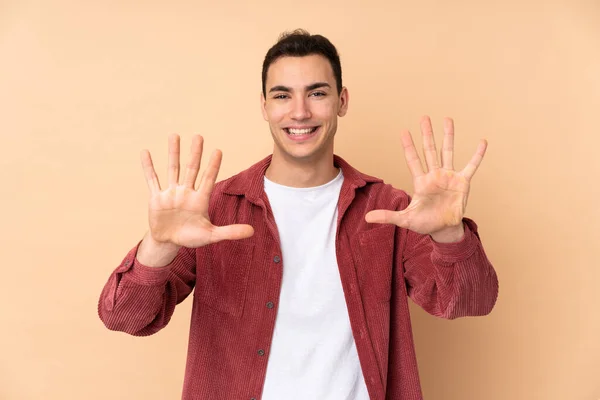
[277, 259]
[270, 304]
[261, 352]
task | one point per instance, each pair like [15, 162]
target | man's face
[302, 105]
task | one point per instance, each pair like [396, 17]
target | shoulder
[230, 188]
[382, 195]
[373, 192]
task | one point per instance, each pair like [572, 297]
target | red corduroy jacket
[237, 286]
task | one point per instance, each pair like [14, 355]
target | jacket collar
[250, 182]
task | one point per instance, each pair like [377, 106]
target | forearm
[140, 300]
[467, 287]
[452, 280]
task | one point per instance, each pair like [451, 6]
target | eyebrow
[313, 86]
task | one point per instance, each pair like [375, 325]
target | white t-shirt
[313, 354]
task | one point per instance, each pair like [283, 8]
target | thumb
[383, 217]
[398, 218]
[231, 232]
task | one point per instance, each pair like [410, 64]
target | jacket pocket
[373, 252]
[222, 281]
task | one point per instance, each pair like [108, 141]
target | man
[302, 265]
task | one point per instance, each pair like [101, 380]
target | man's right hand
[178, 215]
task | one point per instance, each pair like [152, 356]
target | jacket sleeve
[450, 280]
[140, 300]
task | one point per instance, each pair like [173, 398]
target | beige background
[83, 88]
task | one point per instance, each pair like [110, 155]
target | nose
[300, 110]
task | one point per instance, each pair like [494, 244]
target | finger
[410, 153]
[149, 172]
[400, 218]
[173, 162]
[209, 176]
[429, 144]
[193, 166]
[381, 217]
[448, 144]
[231, 232]
[472, 166]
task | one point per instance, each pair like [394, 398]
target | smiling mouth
[300, 132]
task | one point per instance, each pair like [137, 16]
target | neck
[301, 173]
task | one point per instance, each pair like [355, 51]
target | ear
[263, 106]
[344, 99]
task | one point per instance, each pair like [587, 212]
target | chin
[304, 154]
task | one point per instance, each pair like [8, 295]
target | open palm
[179, 214]
[440, 193]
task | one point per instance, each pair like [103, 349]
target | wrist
[153, 253]
[451, 234]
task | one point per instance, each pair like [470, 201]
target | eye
[318, 94]
[280, 96]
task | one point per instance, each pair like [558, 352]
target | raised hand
[440, 194]
[178, 214]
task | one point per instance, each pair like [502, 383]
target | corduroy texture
[380, 266]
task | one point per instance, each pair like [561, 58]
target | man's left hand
[440, 194]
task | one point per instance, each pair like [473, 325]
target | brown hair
[299, 43]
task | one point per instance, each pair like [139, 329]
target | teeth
[300, 131]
